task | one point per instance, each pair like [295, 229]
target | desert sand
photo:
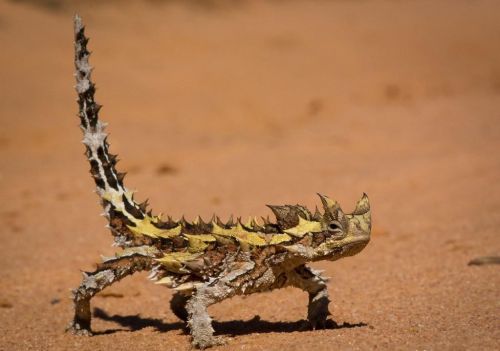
[224, 106]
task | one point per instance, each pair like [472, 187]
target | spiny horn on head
[327, 202]
[363, 214]
[332, 209]
[362, 206]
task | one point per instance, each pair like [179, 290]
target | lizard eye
[336, 230]
[334, 227]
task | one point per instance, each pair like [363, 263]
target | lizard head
[343, 234]
[333, 234]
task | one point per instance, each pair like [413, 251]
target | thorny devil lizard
[206, 263]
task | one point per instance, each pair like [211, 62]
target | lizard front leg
[199, 322]
[312, 282]
[106, 274]
[206, 294]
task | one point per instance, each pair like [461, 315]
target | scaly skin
[206, 262]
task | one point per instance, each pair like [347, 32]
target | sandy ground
[224, 106]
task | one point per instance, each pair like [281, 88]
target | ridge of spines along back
[116, 199]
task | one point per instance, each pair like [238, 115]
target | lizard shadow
[257, 325]
[232, 328]
[133, 323]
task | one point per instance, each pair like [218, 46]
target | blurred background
[223, 106]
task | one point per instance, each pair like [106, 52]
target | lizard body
[206, 262]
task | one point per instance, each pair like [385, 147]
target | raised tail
[129, 221]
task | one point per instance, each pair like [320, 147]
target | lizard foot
[76, 329]
[320, 323]
[206, 342]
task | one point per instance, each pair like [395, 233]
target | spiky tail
[128, 220]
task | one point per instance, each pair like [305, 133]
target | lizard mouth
[351, 248]
[355, 246]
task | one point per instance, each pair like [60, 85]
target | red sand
[225, 107]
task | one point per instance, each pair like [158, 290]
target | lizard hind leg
[178, 306]
[92, 283]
